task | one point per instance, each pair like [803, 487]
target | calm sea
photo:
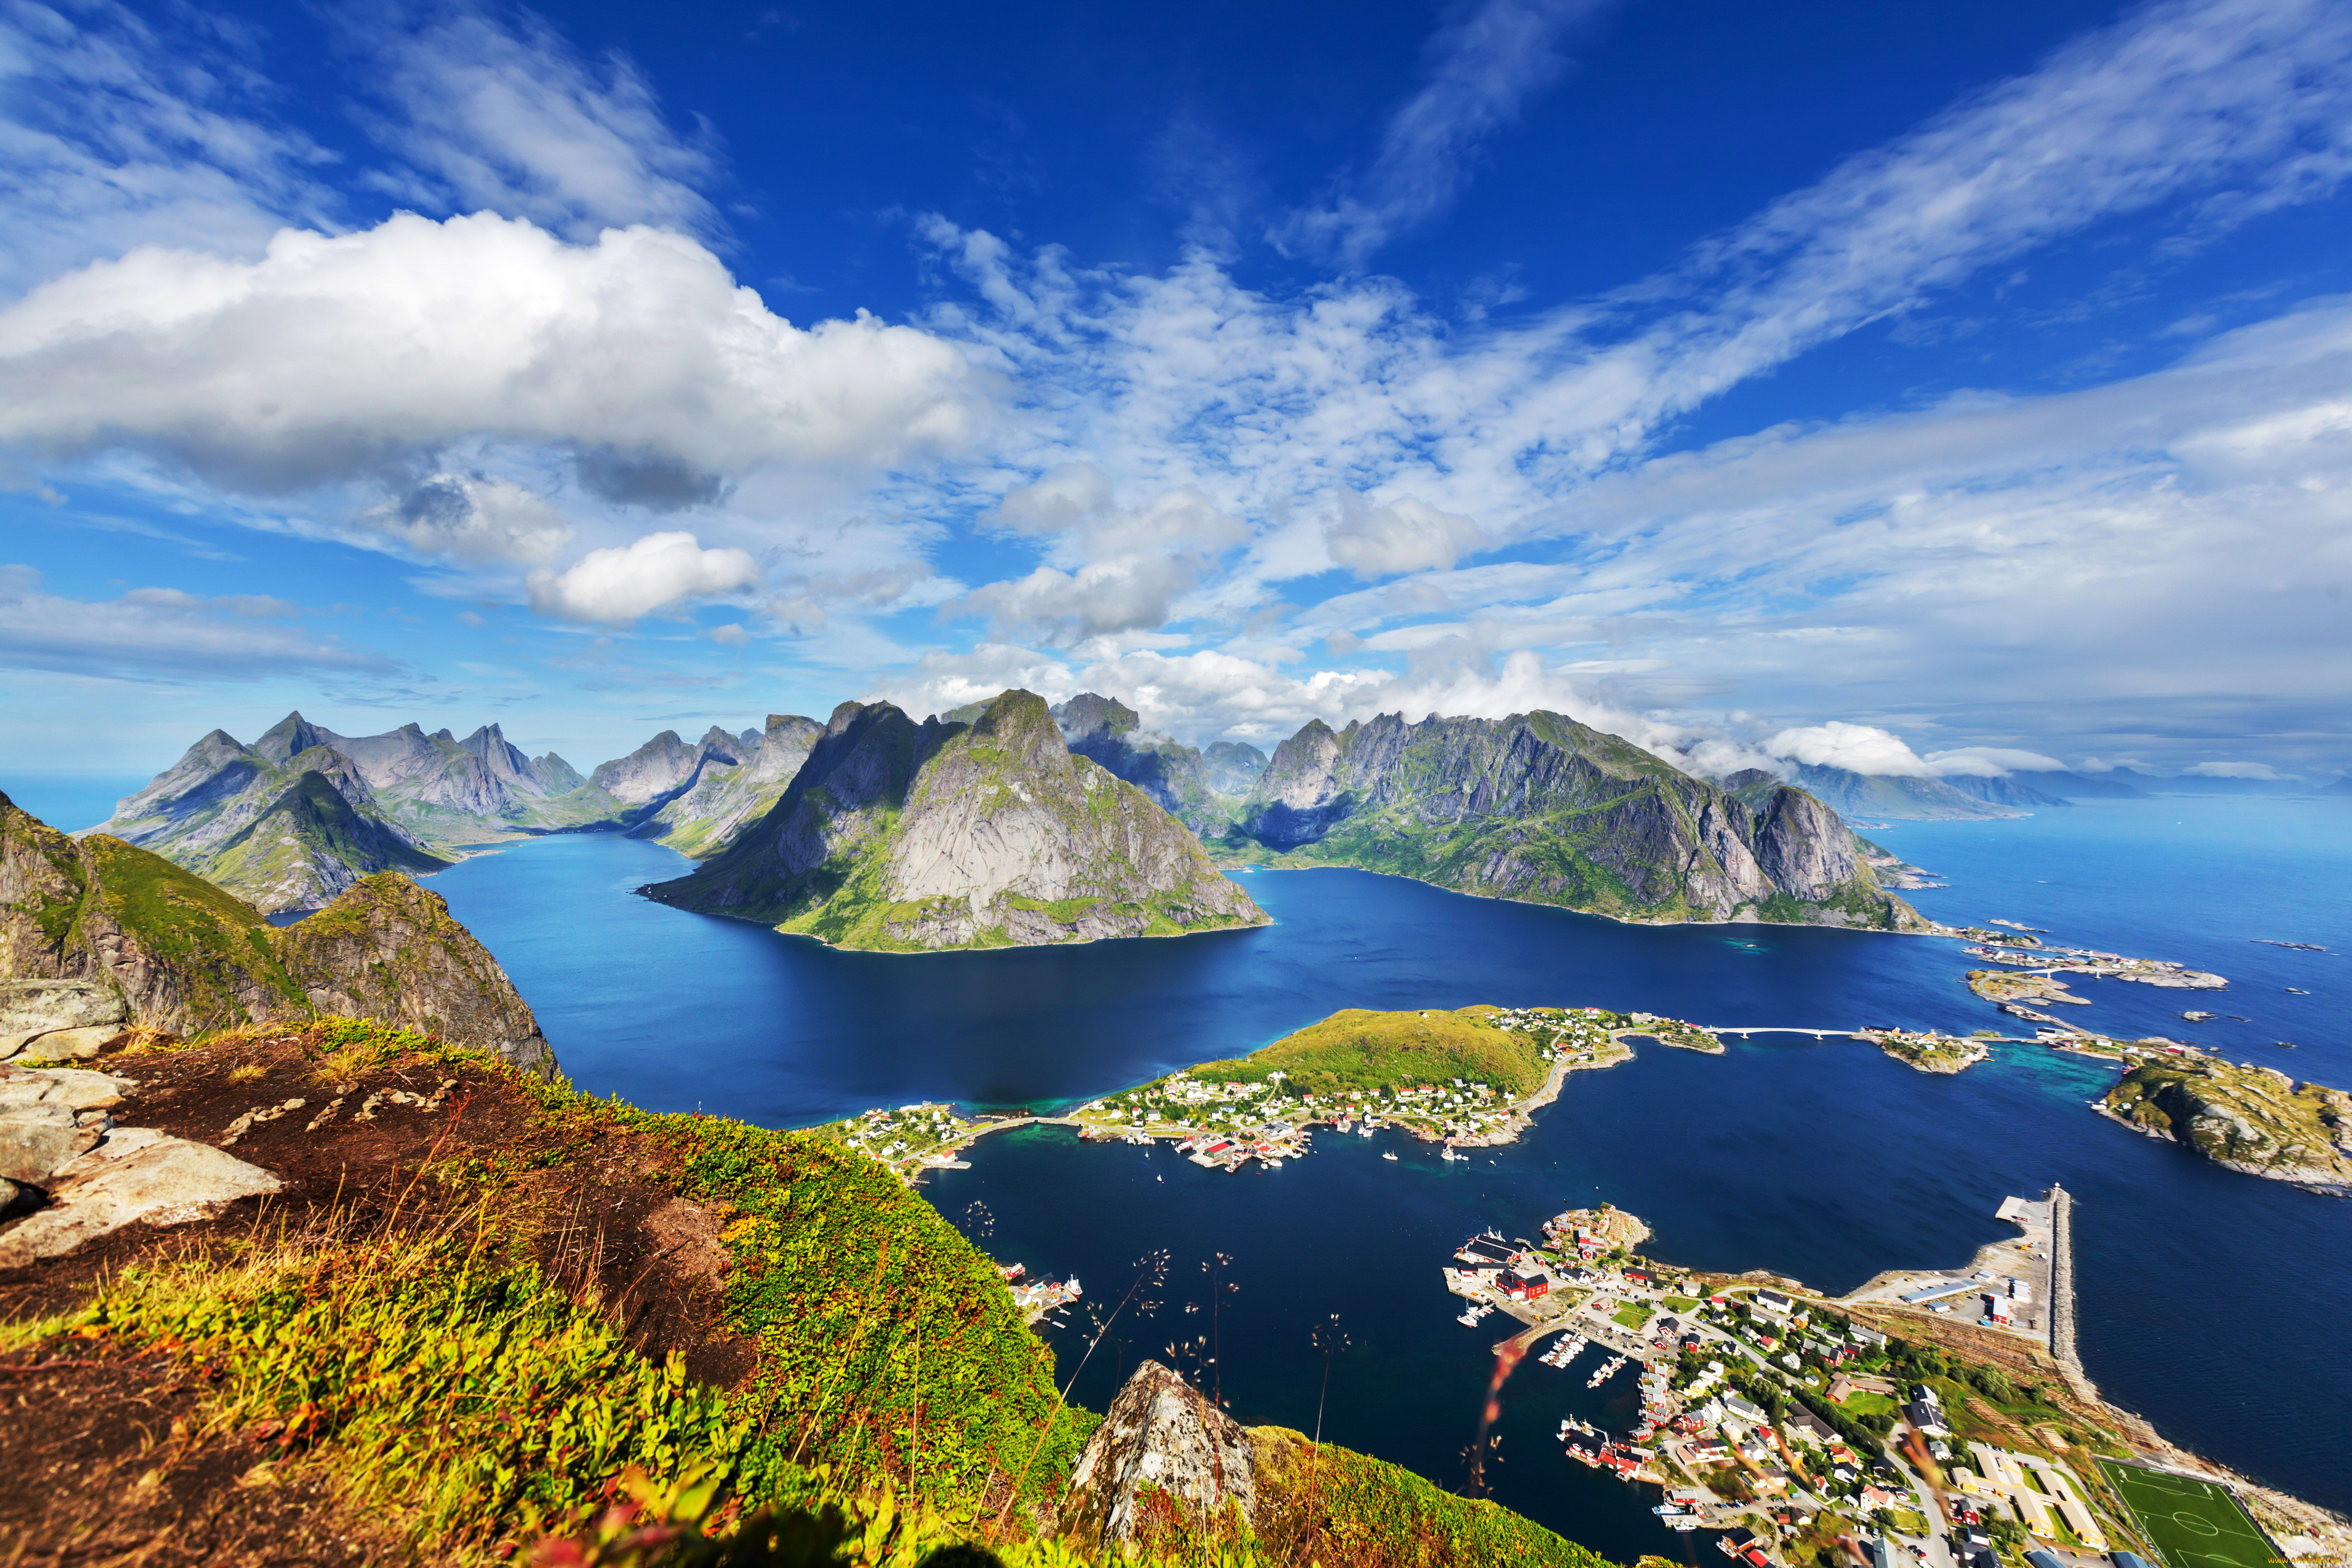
[2212, 1303]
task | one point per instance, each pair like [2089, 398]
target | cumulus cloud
[622, 584]
[1122, 568]
[333, 357]
[167, 634]
[1406, 534]
[474, 518]
[1478, 69]
[1862, 748]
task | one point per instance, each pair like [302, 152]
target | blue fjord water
[2212, 1302]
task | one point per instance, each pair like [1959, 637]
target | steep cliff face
[697, 799]
[97, 923]
[256, 820]
[913, 837]
[388, 950]
[1176, 776]
[1540, 807]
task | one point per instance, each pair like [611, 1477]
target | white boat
[1388, 1154]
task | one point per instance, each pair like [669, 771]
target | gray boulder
[1160, 1432]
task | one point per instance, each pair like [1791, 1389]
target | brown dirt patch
[108, 1461]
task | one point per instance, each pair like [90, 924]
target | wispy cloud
[492, 114]
[1479, 70]
[164, 634]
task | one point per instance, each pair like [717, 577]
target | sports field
[2191, 1523]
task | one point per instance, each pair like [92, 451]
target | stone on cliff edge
[137, 1175]
[1162, 1433]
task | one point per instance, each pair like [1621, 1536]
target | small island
[2254, 1119]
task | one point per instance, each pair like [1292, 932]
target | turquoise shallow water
[2212, 1302]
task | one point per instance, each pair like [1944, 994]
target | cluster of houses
[2037, 1490]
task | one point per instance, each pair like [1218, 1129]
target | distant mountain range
[1534, 806]
[293, 819]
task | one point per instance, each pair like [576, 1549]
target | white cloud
[1990, 762]
[1862, 748]
[164, 634]
[509, 119]
[1406, 534]
[1100, 599]
[335, 357]
[473, 517]
[2262, 770]
[621, 585]
[114, 135]
[1480, 67]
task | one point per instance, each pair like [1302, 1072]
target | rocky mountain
[695, 799]
[1540, 807]
[299, 816]
[1165, 1458]
[1891, 796]
[96, 934]
[913, 837]
[1178, 777]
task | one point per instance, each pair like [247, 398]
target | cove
[2209, 1301]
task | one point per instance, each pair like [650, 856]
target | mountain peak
[291, 736]
[1091, 713]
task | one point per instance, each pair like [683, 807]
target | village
[1799, 1432]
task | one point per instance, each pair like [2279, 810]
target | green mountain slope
[912, 838]
[1540, 807]
[177, 953]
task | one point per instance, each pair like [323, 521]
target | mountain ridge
[1538, 807]
[908, 837]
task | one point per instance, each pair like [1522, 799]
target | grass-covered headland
[491, 1319]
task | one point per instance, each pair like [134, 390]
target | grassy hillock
[1359, 1049]
[524, 1322]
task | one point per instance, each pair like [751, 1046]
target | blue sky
[1927, 389]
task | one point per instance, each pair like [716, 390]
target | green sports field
[2191, 1523]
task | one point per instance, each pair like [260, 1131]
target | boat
[1388, 1154]
[1468, 1317]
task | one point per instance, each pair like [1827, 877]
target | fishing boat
[1388, 1154]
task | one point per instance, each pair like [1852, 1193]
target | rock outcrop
[98, 937]
[388, 950]
[1540, 807]
[290, 821]
[915, 838]
[1161, 1449]
[2250, 1119]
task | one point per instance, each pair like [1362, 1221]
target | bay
[2212, 1302]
